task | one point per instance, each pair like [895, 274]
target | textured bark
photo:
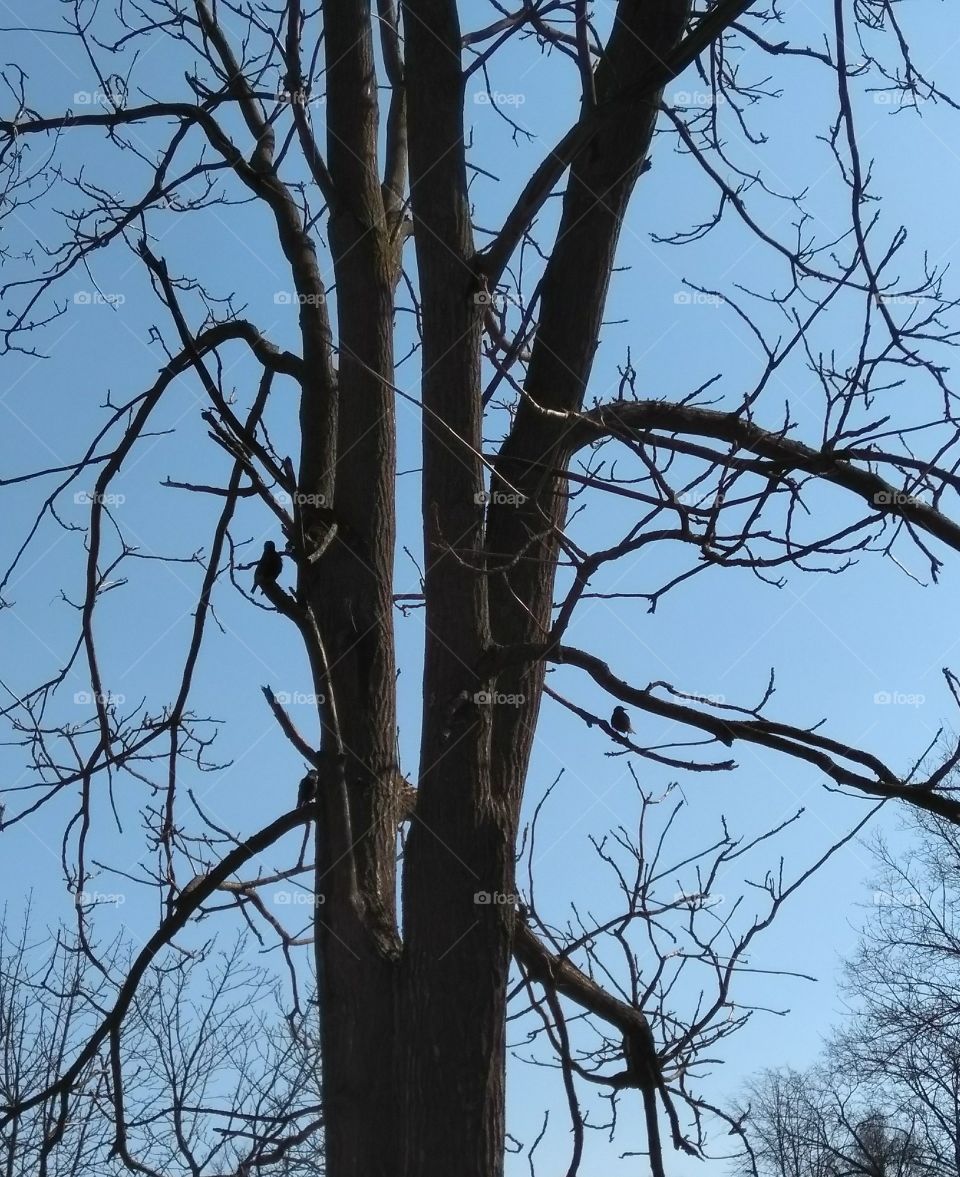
[356, 935]
[426, 1029]
[449, 1056]
[456, 953]
[575, 285]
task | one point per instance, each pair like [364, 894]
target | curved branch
[284, 362]
[800, 743]
[161, 937]
[621, 417]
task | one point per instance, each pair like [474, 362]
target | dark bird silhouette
[269, 566]
[307, 792]
[620, 721]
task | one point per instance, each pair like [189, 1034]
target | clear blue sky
[835, 641]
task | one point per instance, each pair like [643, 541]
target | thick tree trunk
[415, 1043]
[456, 951]
[574, 295]
[350, 590]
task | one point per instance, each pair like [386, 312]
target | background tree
[903, 1034]
[214, 1076]
[279, 109]
[813, 1124]
[898, 1048]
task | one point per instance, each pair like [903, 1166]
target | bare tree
[371, 215]
[813, 1124]
[898, 1047]
[903, 1034]
[214, 1074]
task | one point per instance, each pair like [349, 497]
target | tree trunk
[357, 944]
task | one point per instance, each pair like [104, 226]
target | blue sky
[835, 641]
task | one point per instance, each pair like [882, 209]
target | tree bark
[357, 943]
[574, 292]
[456, 953]
[456, 957]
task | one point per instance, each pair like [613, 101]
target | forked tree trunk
[414, 1038]
[350, 589]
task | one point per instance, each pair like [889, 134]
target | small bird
[620, 721]
[269, 566]
[307, 793]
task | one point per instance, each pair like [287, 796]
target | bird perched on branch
[307, 793]
[620, 721]
[269, 566]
